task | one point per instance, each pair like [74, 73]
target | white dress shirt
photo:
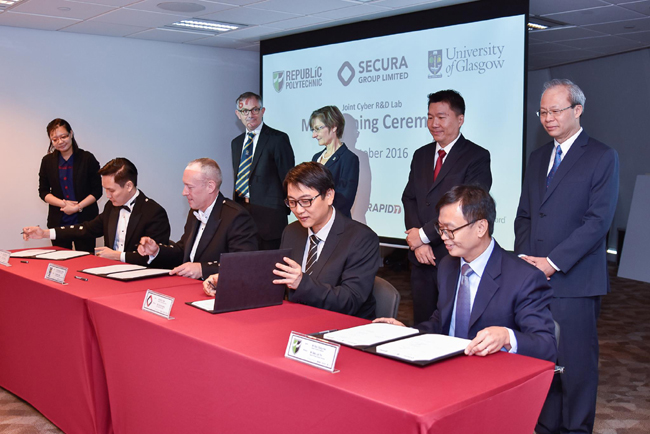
[122, 225]
[204, 216]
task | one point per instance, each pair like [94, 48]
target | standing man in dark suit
[215, 225]
[128, 216]
[334, 259]
[566, 208]
[261, 158]
[437, 167]
[487, 294]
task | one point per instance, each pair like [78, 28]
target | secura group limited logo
[435, 63]
[374, 70]
[298, 78]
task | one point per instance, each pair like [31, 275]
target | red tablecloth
[48, 352]
[227, 373]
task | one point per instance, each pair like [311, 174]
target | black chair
[386, 297]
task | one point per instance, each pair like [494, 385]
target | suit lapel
[112, 225]
[136, 214]
[259, 147]
[488, 285]
[429, 157]
[543, 168]
[574, 154]
[333, 238]
[236, 155]
[454, 156]
[210, 228]
[450, 280]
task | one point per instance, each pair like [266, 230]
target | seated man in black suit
[215, 225]
[334, 259]
[487, 294]
[128, 216]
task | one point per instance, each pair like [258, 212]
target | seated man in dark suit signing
[334, 259]
[128, 216]
[486, 294]
[215, 225]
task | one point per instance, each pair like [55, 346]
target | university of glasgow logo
[278, 81]
[435, 62]
[346, 70]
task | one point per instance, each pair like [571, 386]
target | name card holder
[4, 258]
[157, 303]
[312, 351]
[56, 273]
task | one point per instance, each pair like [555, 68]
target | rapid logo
[278, 81]
[350, 72]
[435, 63]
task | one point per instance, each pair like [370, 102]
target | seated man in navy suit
[128, 216]
[486, 294]
[334, 259]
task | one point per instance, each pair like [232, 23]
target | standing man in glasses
[487, 295]
[566, 208]
[448, 161]
[334, 259]
[261, 158]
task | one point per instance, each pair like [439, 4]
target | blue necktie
[244, 172]
[556, 164]
[463, 309]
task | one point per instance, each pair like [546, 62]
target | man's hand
[488, 341]
[542, 264]
[34, 233]
[424, 255]
[413, 238]
[291, 274]
[70, 207]
[210, 285]
[192, 270]
[105, 252]
[148, 247]
[389, 321]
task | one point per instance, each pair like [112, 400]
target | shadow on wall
[362, 200]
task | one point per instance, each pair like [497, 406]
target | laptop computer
[246, 282]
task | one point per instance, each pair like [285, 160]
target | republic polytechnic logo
[278, 81]
[435, 62]
[295, 347]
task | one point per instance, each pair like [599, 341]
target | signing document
[427, 347]
[369, 334]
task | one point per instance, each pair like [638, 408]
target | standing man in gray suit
[261, 158]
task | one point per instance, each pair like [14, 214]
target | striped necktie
[556, 164]
[312, 256]
[244, 172]
[463, 308]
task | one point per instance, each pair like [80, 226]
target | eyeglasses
[305, 203]
[59, 138]
[254, 110]
[554, 112]
[317, 129]
[449, 233]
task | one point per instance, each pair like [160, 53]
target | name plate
[312, 351]
[56, 273]
[159, 304]
[4, 258]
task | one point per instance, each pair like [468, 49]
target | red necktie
[436, 170]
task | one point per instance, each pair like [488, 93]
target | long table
[48, 350]
[227, 373]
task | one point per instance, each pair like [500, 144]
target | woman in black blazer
[68, 181]
[327, 125]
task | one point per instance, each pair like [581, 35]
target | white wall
[617, 89]
[158, 104]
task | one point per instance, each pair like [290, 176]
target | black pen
[25, 262]
[81, 278]
[323, 332]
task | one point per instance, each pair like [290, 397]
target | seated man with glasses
[334, 259]
[488, 295]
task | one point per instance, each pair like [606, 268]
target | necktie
[126, 208]
[241, 186]
[436, 170]
[312, 256]
[200, 216]
[556, 164]
[463, 309]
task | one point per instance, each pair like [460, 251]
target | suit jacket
[148, 219]
[344, 166]
[343, 276]
[466, 163]
[568, 223]
[512, 293]
[229, 229]
[272, 159]
[85, 178]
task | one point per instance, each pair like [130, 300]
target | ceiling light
[533, 26]
[539, 23]
[6, 4]
[214, 27]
